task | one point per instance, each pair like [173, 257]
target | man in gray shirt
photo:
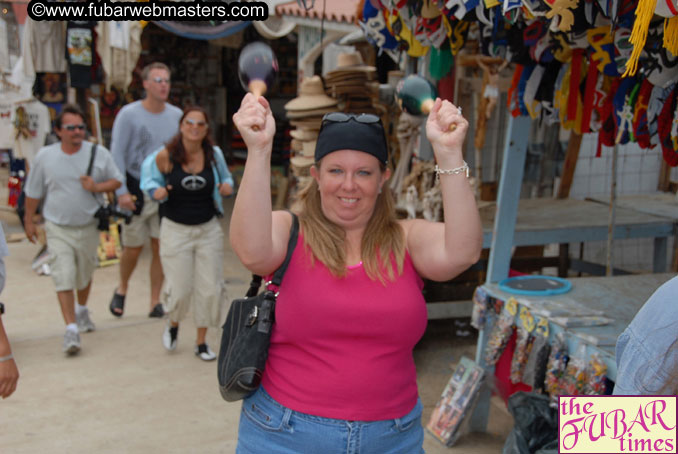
[59, 176]
[139, 129]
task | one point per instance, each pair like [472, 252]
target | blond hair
[151, 66]
[383, 243]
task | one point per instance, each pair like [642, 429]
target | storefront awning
[203, 30]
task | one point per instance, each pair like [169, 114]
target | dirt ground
[125, 394]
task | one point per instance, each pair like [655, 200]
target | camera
[105, 213]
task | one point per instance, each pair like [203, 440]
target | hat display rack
[351, 87]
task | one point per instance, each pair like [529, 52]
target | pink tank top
[342, 348]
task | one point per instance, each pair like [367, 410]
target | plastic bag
[536, 424]
[501, 333]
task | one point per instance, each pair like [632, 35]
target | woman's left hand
[443, 116]
[225, 189]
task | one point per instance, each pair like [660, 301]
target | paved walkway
[125, 394]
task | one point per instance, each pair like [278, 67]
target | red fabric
[446, 86]
[608, 130]
[502, 372]
[589, 96]
[514, 105]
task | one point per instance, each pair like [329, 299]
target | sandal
[157, 312]
[117, 306]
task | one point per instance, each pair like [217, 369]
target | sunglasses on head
[191, 122]
[81, 127]
[341, 117]
[159, 80]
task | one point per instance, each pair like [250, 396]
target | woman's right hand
[161, 193]
[255, 123]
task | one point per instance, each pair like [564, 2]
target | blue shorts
[268, 427]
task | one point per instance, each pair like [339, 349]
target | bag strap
[294, 234]
[92, 154]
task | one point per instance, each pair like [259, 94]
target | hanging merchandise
[667, 129]
[480, 302]
[555, 368]
[80, 52]
[441, 62]
[535, 369]
[524, 341]
[500, 335]
[32, 124]
[43, 47]
[640, 117]
[572, 381]
[119, 48]
[373, 23]
[595, 377]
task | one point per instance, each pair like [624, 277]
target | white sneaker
[204, 352]
[85, 324]
[169, 337]
[71, 342]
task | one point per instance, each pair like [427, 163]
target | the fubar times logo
[617, 424]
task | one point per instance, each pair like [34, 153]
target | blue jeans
[268, 427]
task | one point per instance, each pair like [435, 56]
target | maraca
[416, 96]
[257, 68]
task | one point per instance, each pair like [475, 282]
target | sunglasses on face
[159, 80]
[191, 122]
[341, 117]
[80, 127]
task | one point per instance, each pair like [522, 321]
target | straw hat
[351, 61]
[311, 96]
[304, 134]
[308, 149]
[295, 114]
[302, 161]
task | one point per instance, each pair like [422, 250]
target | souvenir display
[501, 333]
[567, 58]
[555, 368]
[480, 302]
[524, 342]
[595, 377]
[573, 379]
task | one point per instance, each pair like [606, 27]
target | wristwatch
[2, 308]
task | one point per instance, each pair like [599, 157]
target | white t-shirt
[55, 177]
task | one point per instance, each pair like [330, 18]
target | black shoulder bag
[247, 333]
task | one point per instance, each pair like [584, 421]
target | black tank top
[190, 201]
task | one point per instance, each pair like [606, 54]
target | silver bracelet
[455, 171]
[6, 358]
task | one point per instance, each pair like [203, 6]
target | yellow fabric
[671, 34]
[415, 47]
[644, 13]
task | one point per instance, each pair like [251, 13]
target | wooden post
[664, 177]
[569, 166]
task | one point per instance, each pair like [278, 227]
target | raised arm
[442, 250]
[258, 236]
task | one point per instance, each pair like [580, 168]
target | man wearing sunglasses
[72, 193]
[139, 129]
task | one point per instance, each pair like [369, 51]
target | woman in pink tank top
[340, 376]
